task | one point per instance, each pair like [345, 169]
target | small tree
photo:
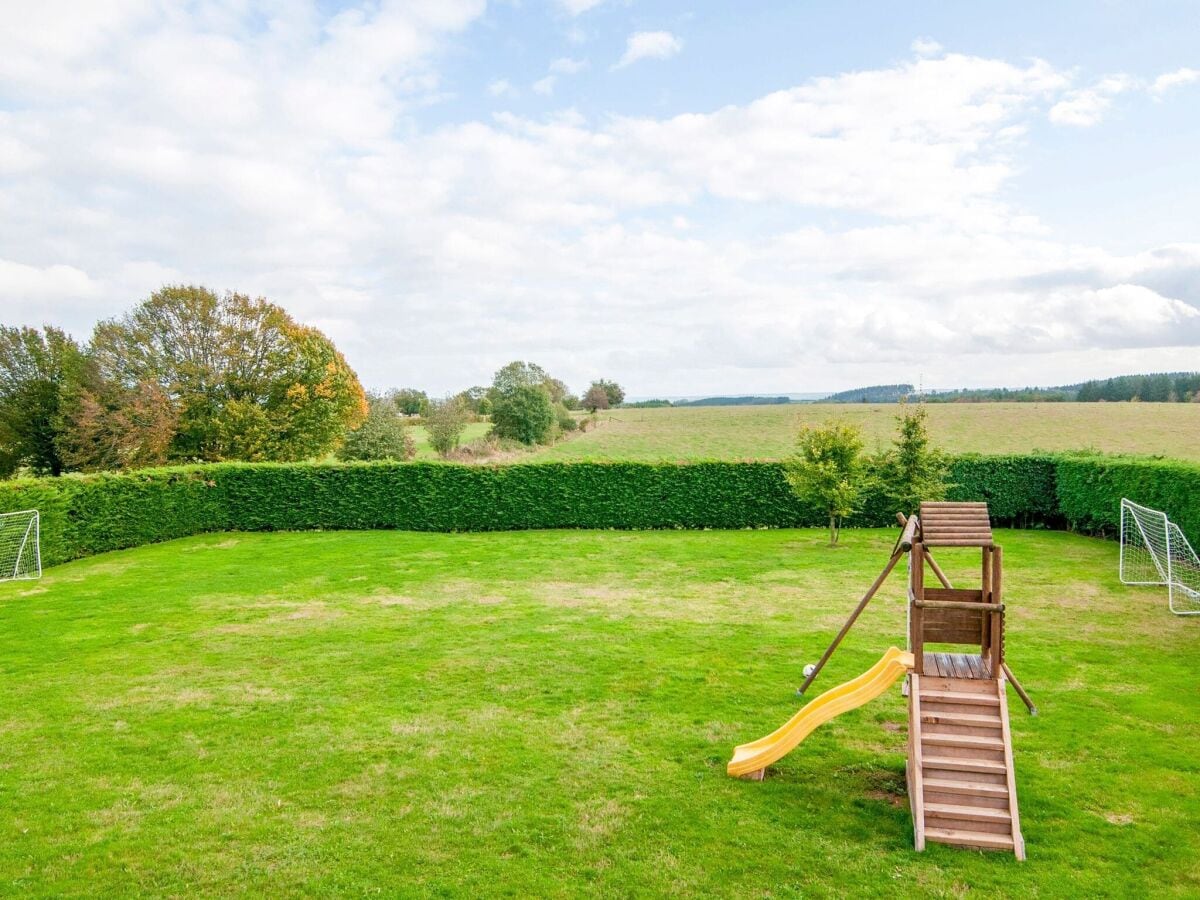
[445, 422]
[523, 414]
[596, 398]
[410, 401]
[827, 471]
[613, 391]
[912, 470]
[383, 435]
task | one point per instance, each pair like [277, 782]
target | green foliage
[410, 401]
[912, 470]
[382, 435]
[612, 390]
[523, 414]
[828, 470]
[86, 514]
[563, 418]
[445, 422]
[38, 371]
[241, 380]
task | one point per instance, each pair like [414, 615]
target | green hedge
[86, 514]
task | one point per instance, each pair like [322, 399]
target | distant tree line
[1166, 387]
[876, 393]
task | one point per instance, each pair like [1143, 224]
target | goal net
[1155, 551]
[20, 545]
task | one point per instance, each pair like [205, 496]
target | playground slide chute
[757, 755]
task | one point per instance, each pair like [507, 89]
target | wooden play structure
[960, 764]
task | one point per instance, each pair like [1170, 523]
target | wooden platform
[957, 665]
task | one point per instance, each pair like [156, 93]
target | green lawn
[550, 713]
[769, 432]
[420, 437]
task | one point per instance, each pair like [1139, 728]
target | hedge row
[89, 514]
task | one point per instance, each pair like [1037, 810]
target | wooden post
[997, 648]
[915, 615]
[985, 625]
[862, 604]
[1020, 690]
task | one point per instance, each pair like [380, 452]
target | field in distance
[769, 432]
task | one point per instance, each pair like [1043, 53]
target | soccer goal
[20, 545]
[1155, 551]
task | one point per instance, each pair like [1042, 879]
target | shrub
[523, 414]
[564, 420]
[828, 472]
[912, 471]
[383, 435]
[86, 514]
[445, 422]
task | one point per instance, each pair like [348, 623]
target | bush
[86, 514]
[445, 422]
[523, 414]
[382, 436]
[564, 420]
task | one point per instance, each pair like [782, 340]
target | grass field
[549, 713]
[421, 437]
[769, 432]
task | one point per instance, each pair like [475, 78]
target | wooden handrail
[959, 604]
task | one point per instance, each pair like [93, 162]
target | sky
[690, 198]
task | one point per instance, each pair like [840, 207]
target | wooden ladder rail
[916, 777]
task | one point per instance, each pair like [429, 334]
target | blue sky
[691, 198]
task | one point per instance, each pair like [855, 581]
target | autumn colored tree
[241, 378]
[596, 398]
[37, 370]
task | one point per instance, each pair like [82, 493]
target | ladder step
[968, 788]
[959, 697]
[961, 740]
[962, 838]
[948, 718]
[976, 813]
[954, 764]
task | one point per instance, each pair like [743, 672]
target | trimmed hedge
[86, 514]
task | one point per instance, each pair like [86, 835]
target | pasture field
[550, 713]
[769, 432]
[420, 437]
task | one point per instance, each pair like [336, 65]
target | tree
[912, 470]
[107, 426]
[445, 422]
[523, 414]
[596, 398]
[827, 471]
[382, 435]
[242, 378]
[616, 393]
[410, 401]
[473, 397]
[38, 369]
[518, 374]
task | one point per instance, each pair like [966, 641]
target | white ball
[809, 669]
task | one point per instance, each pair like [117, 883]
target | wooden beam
[862, 604]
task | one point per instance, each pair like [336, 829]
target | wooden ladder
[960, 768]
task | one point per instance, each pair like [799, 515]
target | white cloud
[649, 45]
[567, 66]
[925, 46]
[578, 7]
[501, 87]
[1169, 80]
[545, 86]
[1086, 107]
[287, 161]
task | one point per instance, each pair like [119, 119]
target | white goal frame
[1154, 551]
[26, 562]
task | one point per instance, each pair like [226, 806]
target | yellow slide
[757, 755]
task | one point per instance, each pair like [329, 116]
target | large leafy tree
[242, 379]
[524, 398]
[382, 435]
[38, 370]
